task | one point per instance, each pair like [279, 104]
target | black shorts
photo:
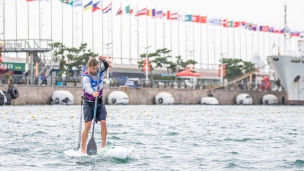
[88, 110]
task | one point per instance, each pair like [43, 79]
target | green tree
[237, 67]
[71, 58]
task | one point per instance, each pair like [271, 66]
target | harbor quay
[41, 95]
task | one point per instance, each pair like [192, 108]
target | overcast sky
[206, 46]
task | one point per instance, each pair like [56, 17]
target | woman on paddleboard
[91, 91]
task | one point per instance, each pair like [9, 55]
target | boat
[290, 70]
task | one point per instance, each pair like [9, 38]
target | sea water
[176, 137]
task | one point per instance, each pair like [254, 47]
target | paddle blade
[91, 147]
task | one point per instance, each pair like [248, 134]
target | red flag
[196, 18]
[31, 0]
[203, 19]
[224, 23]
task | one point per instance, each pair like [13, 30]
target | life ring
[113, 100]
[14, 92]
[56, 101]
[160, 100]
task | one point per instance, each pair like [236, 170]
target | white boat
[290, 71]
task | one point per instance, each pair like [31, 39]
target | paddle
[80, 126]
[91, 147]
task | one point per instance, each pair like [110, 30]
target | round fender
[56, 101]
[266, 102]
[160, 100]
[113, 100]
[14, 92]
[241, 101]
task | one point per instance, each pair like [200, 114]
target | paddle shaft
[89, 146]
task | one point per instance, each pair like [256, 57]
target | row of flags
[96, 6]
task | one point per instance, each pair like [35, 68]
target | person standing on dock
[91, 91]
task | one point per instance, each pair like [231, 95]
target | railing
[27, 45]
[164, 84]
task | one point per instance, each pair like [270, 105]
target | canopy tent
[188, 73]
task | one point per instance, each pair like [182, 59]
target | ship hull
[290, 71]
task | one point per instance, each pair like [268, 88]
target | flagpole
[207, 43]
[214, 59]
[102, 29]
[137, 36]
[240, 41]
[112, 33]
[258, 39]
[62, 23]
[171, 39]
[252, 41]
[121, 35]
[186, 38]
[200, 21]
[82, 21]
[51, 28]
[233, 41]
[263, 43]
[39, 22]
[193, 39]
[178, 45]
[73, 26]
[28, 23]
[163, 32]
[155, 28]
[228, 39]
[130, 36]
[221, 40]
[92, 26]
[246, 30]
[16, 20]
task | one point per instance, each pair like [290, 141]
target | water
[179, 137]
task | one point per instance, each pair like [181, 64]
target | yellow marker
[33, 116]
[46, 117]
[72, 116]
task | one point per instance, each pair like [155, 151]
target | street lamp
[147, 63]
[222, 67]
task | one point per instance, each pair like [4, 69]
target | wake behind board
[112, 151]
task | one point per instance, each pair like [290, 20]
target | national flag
[224, 23]
[203, 19]
[188, 17]
[195, 18]
[248, 26]
[264, 28]
[107, 9]
[141, 12]
[31, 0]
[89, 6]
[77, 3]
[125, 10]
[159, 14]
[214, 21]
[270, 29]
[181, 17]
[294, 33]
[150, 12]
[239, 23]
[172, 16]
[254, 27]
[229, 24]
[278, 31]
[96, 6]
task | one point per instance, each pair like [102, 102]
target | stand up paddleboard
[112, 151]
